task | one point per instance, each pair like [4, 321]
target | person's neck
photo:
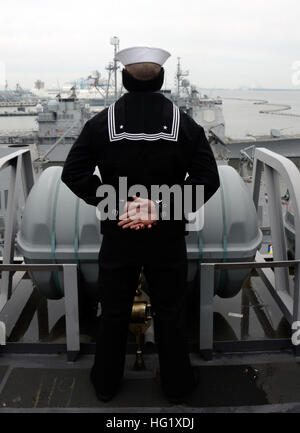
[133, 85]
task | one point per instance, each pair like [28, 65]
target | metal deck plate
[229, 386]
[66, 388]
[3, 369]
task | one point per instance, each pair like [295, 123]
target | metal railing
[290, 309]
[21, 171]
[278, 282]
[278, 167]
[70, 299]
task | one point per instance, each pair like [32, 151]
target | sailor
[145, 139]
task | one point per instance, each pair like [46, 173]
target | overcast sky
[223, 43]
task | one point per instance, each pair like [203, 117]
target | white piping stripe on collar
[172, 136]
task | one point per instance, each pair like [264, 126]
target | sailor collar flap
[165, 129]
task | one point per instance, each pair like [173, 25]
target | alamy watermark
[296, 73]
[174, 202]
[296, 334]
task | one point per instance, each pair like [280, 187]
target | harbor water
[241, 114]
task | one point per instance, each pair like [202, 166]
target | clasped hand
[139, 214]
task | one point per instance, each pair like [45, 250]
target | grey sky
[222, 43]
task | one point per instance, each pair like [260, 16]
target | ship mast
[115, 41]
[179, 76]
[112, 69]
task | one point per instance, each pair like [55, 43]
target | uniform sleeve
[201, 171]
[79, 167]
[202, 168]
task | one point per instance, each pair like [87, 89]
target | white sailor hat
[128, 56]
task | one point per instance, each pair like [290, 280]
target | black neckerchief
[133, 85]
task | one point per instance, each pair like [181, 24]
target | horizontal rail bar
[251, 265]
[50, 267]
[263, 345]
[34, 348]
[6, 160]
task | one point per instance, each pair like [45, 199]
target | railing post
[10, 228]
[277, 228]
[28, 176]
[72, 311]
[207, 278]
[296, 304]
[257, 175]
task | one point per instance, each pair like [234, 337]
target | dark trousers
[165, 268]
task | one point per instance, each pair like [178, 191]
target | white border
[172, 136]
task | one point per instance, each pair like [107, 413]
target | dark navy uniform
[145, 138]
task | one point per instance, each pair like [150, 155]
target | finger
[126, 221]
[132, 223]
[129, 220]
[139, 227]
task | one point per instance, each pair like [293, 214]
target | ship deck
[254, 368]
[253, 383]
[288, 146]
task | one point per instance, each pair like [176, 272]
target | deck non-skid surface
[231, 386]
[32, 388]
[3, 369]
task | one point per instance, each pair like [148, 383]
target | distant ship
[62, 116]
[206, 111]
[63, 111]
[286, 145]
[61, 119]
